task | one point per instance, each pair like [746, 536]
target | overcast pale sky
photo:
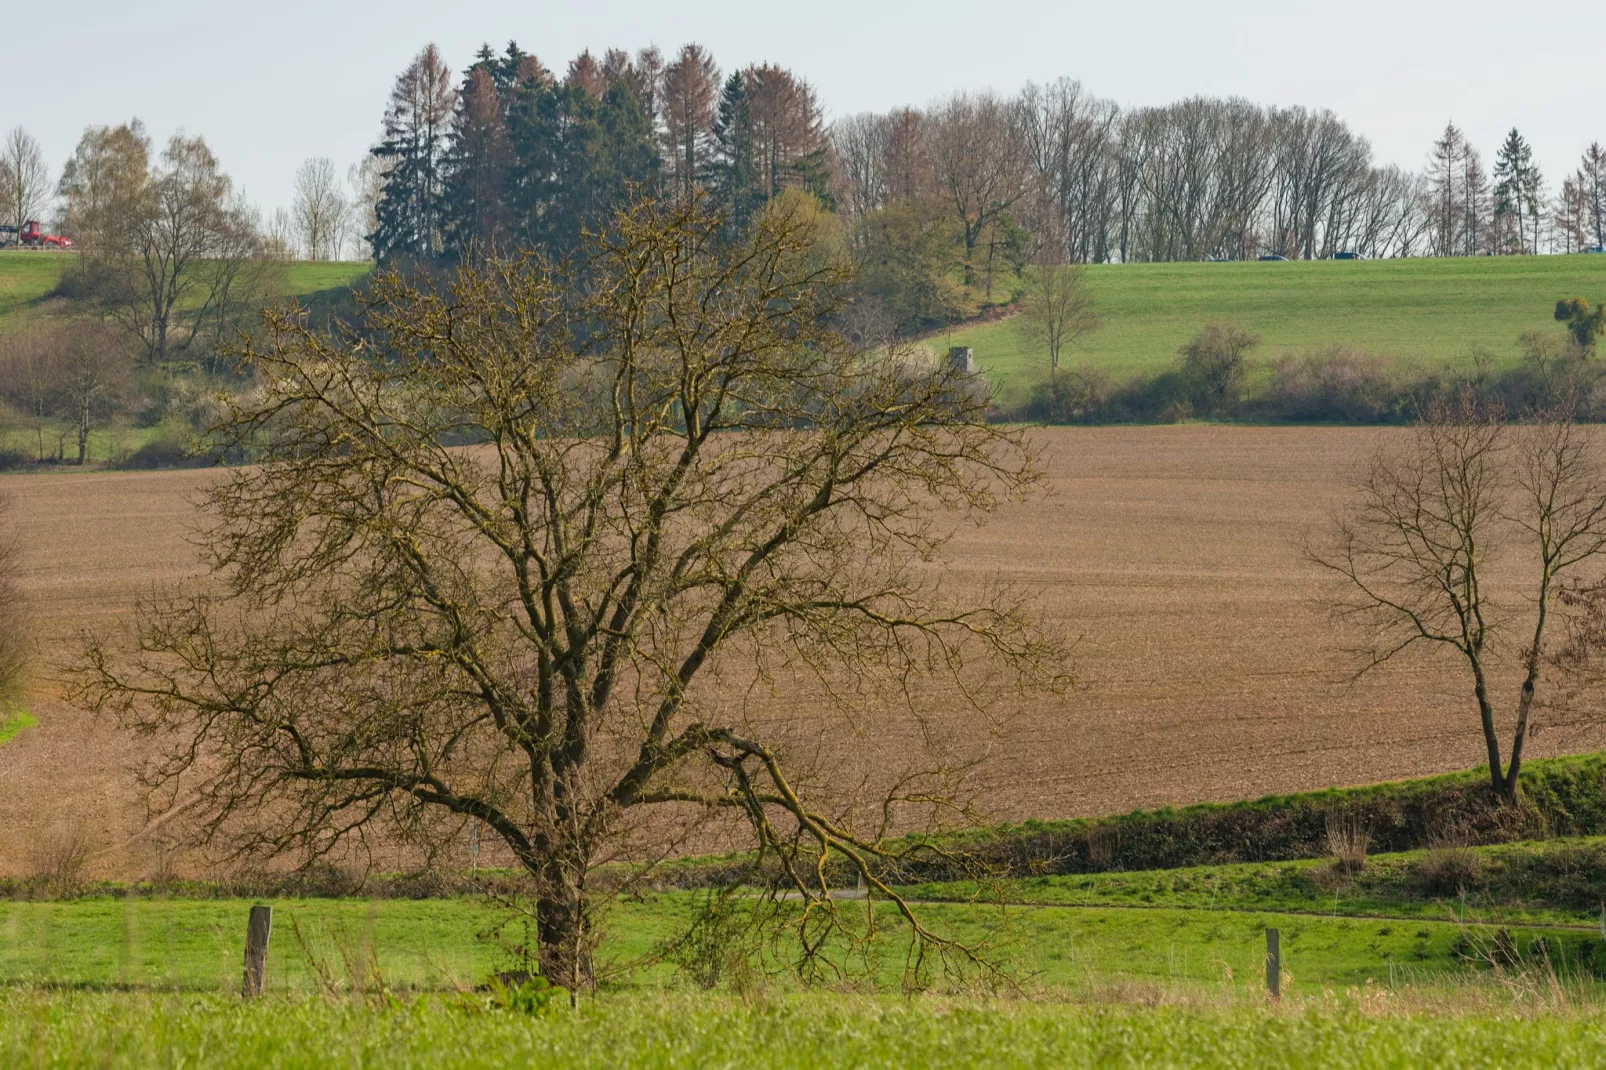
[272, 83]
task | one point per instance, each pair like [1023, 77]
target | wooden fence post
[257, 931]
[1274, 964]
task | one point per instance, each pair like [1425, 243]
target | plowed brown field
[1210, 671]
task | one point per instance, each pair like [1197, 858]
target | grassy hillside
[1428, 311]
[26, 278]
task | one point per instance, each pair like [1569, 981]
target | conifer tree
[411, 211]
[733, 177]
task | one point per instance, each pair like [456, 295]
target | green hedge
[1559, 797]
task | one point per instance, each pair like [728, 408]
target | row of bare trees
[1204, 177]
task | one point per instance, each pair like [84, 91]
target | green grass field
[777, 1033]
[1159, 968]
[26, 278]
[151, 982]
[1426, 311]
[1202, 926]
[685, 1031]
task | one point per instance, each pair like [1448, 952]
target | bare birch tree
[24, 179]
[320, 209]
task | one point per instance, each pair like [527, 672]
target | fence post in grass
[257, 931]
[1274, 964]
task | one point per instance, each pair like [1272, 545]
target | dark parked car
[1273, 256]
[1348, 256]
[1596, 249]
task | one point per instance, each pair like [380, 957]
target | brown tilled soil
[1209, 671]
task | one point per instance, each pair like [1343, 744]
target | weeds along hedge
[1560, 797]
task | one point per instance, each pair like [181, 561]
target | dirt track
[1210, 673]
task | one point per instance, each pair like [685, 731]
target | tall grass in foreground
[79, 1029]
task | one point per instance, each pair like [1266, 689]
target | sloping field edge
[14, 721]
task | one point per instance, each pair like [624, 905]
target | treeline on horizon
[942, 207]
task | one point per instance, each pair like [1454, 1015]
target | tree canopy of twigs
[1058, 312]
[1412, 557]
[501, 535]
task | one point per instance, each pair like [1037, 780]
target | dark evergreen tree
[579, 156]
[733, 179]
[411, 210]
[1516, 192]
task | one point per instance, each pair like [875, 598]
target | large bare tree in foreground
[499, 543]
[1416, 555]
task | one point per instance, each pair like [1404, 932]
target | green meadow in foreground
[1156, 968]
[777, 1033]
[1427, 311]
[194, 945]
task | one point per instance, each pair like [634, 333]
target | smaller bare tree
[90, 380]
[1213, 363]
[1413, 558]
[24, 178]
[27, 378]
[1058, 312]
[321, 211]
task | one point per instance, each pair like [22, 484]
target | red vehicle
[33, 236]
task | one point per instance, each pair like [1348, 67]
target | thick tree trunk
[563, 927]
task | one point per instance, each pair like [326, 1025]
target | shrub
[1079, 396]
[1212, 362]
[1338, 384]
[1347, 840]
[1450, 866]
[170, 447]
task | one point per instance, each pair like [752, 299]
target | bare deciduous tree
[174, 261]
[1058, 311]
[979, 163]
[279, 237]
[684, 478]
[24, 178]
[27, 378]
[105, 187]
[320, 210]
[1415, 557]
[690, 91]
[366, 178]
[89, 380]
